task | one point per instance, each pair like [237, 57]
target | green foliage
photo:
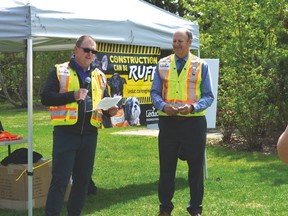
[13, 74]
[43, 64]
[254, 115]
[250, 39]
[12, 79]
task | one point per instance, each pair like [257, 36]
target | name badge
[63, 71]
[164, 66]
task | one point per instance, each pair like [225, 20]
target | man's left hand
[113, 110]
[186, 109]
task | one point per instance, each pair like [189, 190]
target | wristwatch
[192, 110]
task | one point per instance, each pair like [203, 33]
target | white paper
[108, 102]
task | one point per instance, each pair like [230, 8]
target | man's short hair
[81, 39]
[189, 34]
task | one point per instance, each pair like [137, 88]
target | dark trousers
[73, 154]
[190, 134]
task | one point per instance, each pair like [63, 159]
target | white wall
[211, 111]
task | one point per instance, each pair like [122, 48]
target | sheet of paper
[108, 102]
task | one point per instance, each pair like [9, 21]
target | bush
[246, 105]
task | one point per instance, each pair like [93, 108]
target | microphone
[87, 82]
[86, 86]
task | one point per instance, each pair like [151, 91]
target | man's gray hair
[189, 34]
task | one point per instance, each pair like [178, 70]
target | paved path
[154, 132]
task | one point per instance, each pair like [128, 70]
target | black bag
[20, 156]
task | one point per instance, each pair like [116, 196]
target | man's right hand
[170, 110]
[80, 94]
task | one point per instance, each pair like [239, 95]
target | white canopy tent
[33, 25]
[54, 25]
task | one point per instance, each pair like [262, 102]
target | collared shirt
[82, 73]
[180, 64]
[203, 103]
[185, 58]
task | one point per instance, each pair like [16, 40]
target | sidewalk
[212, 134]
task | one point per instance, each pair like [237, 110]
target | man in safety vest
[73, 90]
[181, 92]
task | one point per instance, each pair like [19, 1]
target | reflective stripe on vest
[68, 81]
[98, 88]
[65, 114]
[184, 88]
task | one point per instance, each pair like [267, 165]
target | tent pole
[30, 123]
[205, 156]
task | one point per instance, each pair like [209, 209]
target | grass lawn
[126, 174]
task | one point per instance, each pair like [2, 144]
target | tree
[13, 74]
[244, 35]
[181, 8]
[250, 39]
[12, 79]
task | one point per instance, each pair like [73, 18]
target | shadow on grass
[108, 197]
[272, 174]
[232, 155]
[268, 168]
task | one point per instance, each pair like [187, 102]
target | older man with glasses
[71, 89]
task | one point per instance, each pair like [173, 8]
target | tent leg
[205, 166]
[30, 122]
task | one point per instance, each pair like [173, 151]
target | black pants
[190, 134]
[73, 154]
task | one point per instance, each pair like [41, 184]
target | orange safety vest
[68, 81]
[184, 88]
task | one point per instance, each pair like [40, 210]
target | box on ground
[14, 185]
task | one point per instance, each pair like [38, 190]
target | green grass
[126, 174]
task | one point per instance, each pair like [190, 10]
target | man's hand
[170, 110]
[186, 109]
[113, 110]
[80, 94]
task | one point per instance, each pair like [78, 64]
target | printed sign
[129, 70]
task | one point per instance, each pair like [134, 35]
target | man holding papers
[73, 90]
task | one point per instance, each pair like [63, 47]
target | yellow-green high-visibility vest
[68, 81]
[184, 88]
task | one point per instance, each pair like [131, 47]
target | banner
[129, 70]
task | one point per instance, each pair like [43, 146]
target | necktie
[181, 63]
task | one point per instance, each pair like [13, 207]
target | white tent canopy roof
[54, 24]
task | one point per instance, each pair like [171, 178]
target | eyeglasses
[88, 50]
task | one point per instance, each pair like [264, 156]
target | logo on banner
[151, 113]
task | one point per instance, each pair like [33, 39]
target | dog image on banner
[129, 115]
[132, 112]
[116, 84]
